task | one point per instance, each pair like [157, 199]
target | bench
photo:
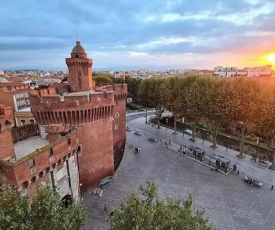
[263, 163]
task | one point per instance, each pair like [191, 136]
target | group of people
[261, 158]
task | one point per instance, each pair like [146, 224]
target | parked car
[252, 181]
[105, 182]
[137, 133]
[152, 139]
[128, 129]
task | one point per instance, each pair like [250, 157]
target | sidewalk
[246, 166]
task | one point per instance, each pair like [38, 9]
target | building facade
[27, 160]
[263, 71]
[16, 95]
[97, 114]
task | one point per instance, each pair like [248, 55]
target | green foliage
[102, 78]
[133, 85]
[150, 213]
[44, 211]
[152, 94]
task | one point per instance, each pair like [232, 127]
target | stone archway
[67, 201]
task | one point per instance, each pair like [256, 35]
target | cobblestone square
[228, 201]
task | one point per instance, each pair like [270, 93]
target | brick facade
[97, 114]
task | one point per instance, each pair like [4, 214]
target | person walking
[272, 187]
[105, 208]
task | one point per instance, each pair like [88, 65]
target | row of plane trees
[246, 103]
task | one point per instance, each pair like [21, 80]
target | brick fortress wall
[92, 114]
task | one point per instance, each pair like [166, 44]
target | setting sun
[271, 58]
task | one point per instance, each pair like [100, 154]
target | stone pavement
[246, 166]
[228, 201]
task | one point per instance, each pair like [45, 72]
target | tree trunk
[175, 123]
[158, 122]
[194, 126]
[146, 115]
[214, 134]
[241, 143]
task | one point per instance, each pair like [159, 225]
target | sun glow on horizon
[271, 58]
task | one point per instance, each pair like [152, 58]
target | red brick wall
[120, 121]
[96, 160]
[7, 99]
[6, 145]
[20, 172]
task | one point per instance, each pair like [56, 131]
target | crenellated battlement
[73, 108]
[120, 91]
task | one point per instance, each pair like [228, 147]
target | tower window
[23, 122]
[69, 142]
[50, 152]
[31, 163]
[76, 55]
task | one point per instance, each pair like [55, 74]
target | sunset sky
[133, 34]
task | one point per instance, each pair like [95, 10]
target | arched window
[51, 152]
[25, 185]
[33, 179]
[41, 174]
[69, 141]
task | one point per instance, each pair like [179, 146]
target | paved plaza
[228, 201]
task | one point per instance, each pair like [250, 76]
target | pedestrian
[238, 172]
[272, 187]
[234, 167]
[105, 208]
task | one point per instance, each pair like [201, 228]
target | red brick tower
[80, 69]
[92, 112]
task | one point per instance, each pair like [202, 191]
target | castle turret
[80, 72]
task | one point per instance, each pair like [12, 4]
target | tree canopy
[245, 105]
[43, 211]
[102, 78]
[147, 211]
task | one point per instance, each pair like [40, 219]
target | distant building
[16, 95]
[264, 71]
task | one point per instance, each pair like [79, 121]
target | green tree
[43, 211]
[219, 109]
[150, 212]
[14, 210]
[265, 116]
[173, 97]
[133, 85]
[244, 92]
[152, 92]
[197, 87]
[101, 78]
